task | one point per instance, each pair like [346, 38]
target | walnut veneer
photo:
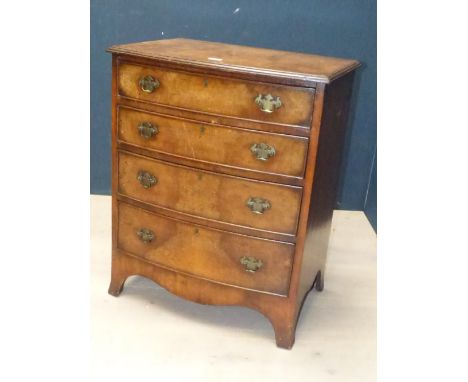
[225, 164]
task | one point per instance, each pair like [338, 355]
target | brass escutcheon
[147, 130]
[251, 263]
[145, 235]
[262, 151]
[258, 205]
[146, 179]
[148, 84]
[268, 103]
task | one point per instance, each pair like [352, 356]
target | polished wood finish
[197, 211]
[241, 60]
[215, 119]
[210, 195]
[215, 144]
[221, 225]
[206, 253]
[213, 166]
[336, 100]
[211, 94]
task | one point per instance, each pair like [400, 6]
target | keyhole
[202, 130]
[205, 82]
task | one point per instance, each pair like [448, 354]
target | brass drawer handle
[262, 151]
[268, 103]
[258, 205]
[251, 263]
[148, 84]
[147, 130]
[146, 179]
[145, 235]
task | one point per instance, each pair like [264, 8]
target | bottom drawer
[219, 256]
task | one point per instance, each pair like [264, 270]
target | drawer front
[209, 195]
[221, 96]
[272, 153]
[210, 254]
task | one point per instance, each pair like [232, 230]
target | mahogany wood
[197, 210]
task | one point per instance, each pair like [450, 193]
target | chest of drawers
[225, 162]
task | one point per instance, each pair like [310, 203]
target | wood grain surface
[210, 254]
[240, 59]
[213, 143]
[210, 195]
[210, 94]
[208, 120]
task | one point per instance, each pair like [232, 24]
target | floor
[148, 334]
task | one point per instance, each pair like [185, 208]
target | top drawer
[285, 105]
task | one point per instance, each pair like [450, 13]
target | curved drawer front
[211, 254]
[253, 204]
[272, 153]
[222, 96]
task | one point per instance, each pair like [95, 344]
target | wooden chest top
[289, 66]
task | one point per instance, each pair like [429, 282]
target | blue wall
[370, 205]
[329, 27]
